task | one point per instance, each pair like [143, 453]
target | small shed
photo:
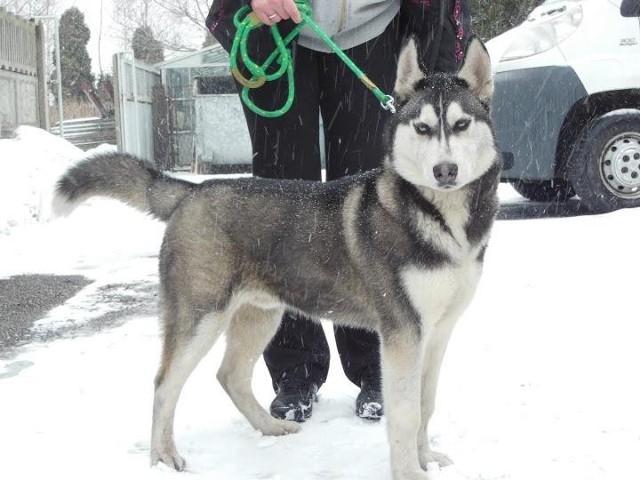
[207, 125]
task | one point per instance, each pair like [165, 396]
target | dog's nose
[445, 173]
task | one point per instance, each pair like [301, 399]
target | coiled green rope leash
[245, 21]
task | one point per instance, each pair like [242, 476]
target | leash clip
[389, 104]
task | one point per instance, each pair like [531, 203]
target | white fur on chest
[441, 293]
[455, 214]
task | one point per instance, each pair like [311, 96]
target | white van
[567, 102]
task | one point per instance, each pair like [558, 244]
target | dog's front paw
[169, 457]
[411, 475]
[429, 456]
[277, 427]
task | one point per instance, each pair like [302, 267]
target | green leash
[245, 21]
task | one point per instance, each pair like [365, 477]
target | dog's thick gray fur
[398, 250]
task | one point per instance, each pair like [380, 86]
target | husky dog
[398, 250]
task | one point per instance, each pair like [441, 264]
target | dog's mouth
[447, 185]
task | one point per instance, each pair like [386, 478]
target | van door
[630, 38]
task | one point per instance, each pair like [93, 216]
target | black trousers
[288, 147]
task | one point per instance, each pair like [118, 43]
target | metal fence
[22, 73]
[134, 92]
[88, 133]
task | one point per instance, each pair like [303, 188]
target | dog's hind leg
[401, 352]
[250, 331]
[185, 343]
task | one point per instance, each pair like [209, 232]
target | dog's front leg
[434, 354]
[401, 352]
[436, 345]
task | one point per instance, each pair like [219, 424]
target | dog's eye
[461, 125]
[422, 128]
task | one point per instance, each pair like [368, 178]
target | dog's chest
[445, 227]
[435, 293]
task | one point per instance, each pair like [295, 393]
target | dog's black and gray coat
[398, 250]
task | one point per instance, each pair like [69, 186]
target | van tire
[604, 168]
[556, 190]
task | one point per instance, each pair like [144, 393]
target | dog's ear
[476, 70]
[408, 73]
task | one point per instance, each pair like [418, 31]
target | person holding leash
[330, 100]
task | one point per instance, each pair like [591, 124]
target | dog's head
[442, 137]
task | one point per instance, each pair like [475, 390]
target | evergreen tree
[491, 18]
[74, 57]
[145, 46]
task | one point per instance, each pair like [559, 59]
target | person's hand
[272, 11]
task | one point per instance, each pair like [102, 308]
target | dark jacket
[442, 29]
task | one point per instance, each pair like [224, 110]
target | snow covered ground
[538, 382]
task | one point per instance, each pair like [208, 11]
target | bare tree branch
[175, 23]
[30, 8]
[192, 11]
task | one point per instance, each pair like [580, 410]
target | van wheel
[604, 168]
[556, 190]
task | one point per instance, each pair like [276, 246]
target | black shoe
[369, 403]
[294, 401]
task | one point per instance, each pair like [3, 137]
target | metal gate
[133, 87]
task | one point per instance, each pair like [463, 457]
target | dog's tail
[122, 177]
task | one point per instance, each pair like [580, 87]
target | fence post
[118, 102]
[161, 135]
[43, 94]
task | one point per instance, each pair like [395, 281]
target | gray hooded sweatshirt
[348, 22]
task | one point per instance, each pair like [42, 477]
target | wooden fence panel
[22, 83]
